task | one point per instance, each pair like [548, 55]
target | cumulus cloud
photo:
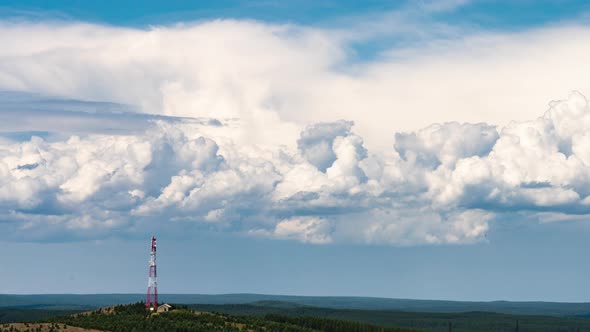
[532, 165]
[235, 127]
[316, 142]
[445, 144]
[440, 185]
[305, 229]
[416, 226]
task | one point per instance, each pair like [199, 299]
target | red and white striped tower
[152, 293]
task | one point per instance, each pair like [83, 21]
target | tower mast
[151, 302]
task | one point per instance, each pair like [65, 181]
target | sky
[419, 149]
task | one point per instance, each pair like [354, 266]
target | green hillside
[285, 316]
[14, 315]
[435, 322]
[129, 318]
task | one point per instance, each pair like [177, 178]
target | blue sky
[485, 14]
[489, 14]
[432, 150]
[513, 266]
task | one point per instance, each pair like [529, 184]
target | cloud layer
[441, 184]
[279, 78]
[273, 131]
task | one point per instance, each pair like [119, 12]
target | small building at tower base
[165, 308]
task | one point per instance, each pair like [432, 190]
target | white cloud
[532, 165]
[446, 143]
[433, 187]
[416, 226]
[278, 78]
[442, 184]
[316, 142]
[305, 229]
[262, 150]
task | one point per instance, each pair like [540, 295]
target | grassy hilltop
[269, 316]
[134, 318]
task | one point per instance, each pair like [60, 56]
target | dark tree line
[134, 318]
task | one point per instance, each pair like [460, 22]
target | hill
[11, 315]
[271, 316]
[87, 302]
[134, 317]
[42, 327]
[435, 322]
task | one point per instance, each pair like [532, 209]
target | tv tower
[152, 293]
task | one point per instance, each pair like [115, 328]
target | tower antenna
[151, 302]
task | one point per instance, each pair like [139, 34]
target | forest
[473, 321]
[272, 316]
[134, 318]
